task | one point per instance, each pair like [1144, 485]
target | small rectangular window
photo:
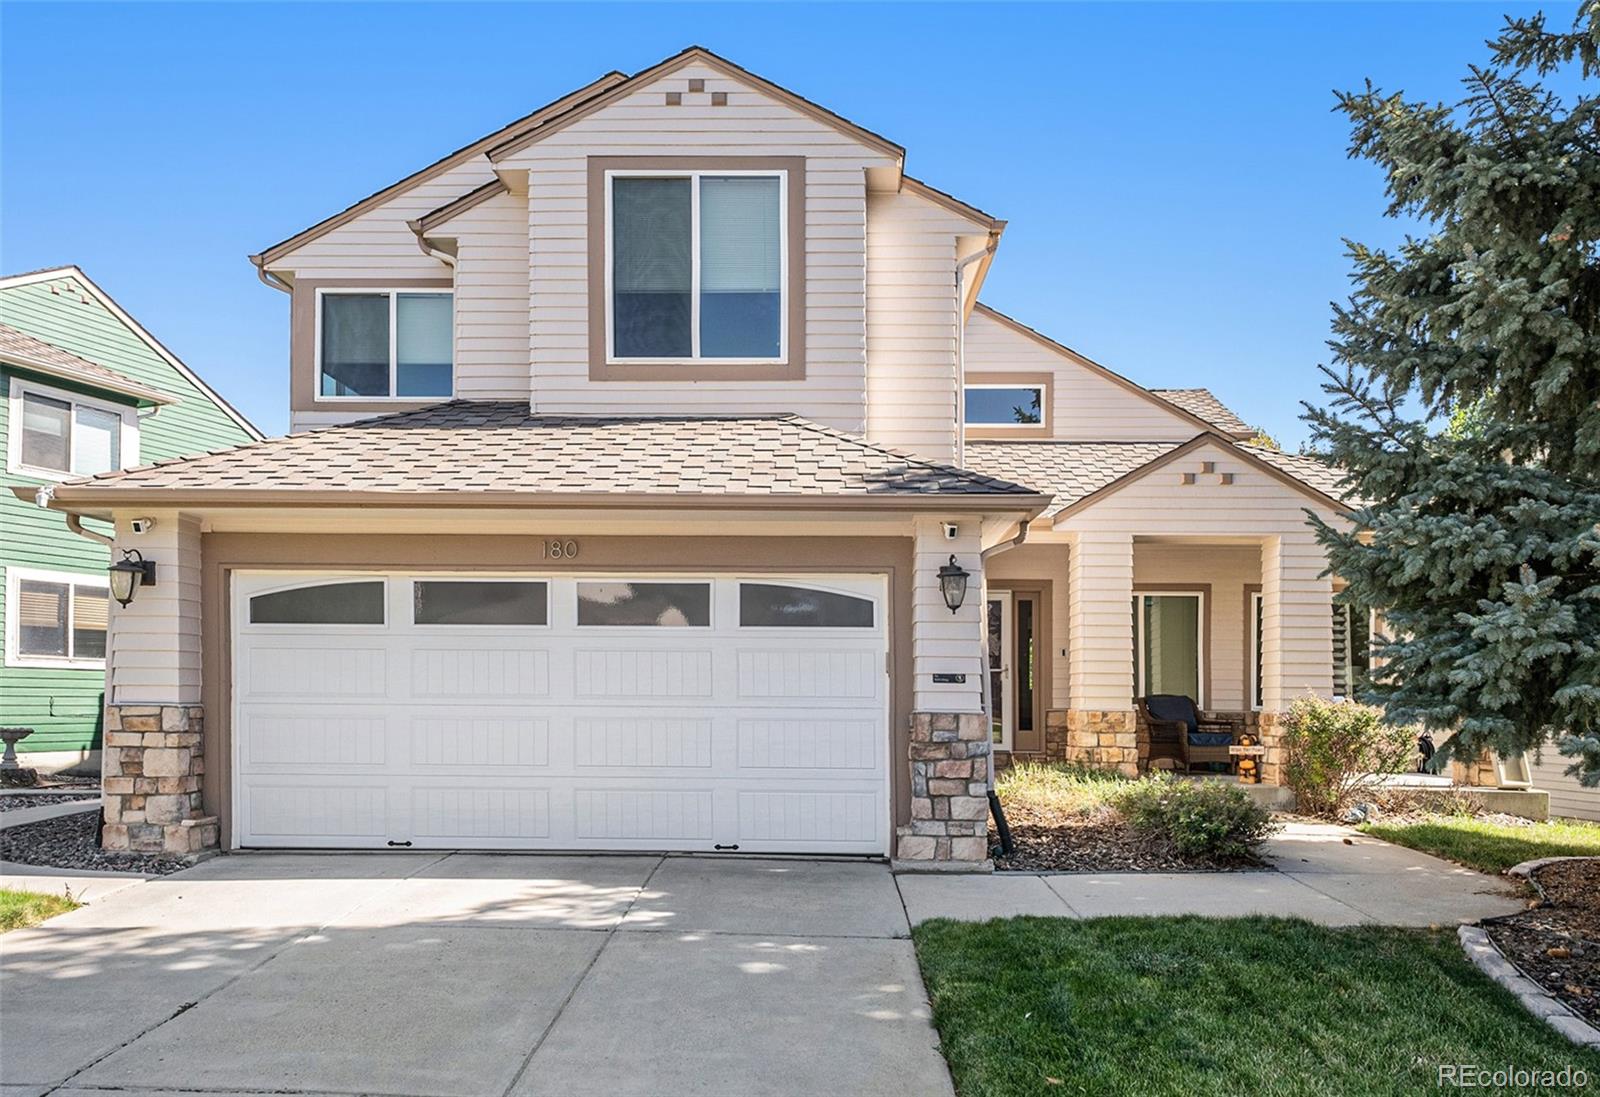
[697, 266]
[386, 343]
[358, 603]
[61, 619]
[480, 602]
[1004, 405]
[775, 605]
[644, 604]
[59, 434]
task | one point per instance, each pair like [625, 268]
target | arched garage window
[780, 605]
[357, 603]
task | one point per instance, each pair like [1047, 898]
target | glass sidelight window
[1168, 643]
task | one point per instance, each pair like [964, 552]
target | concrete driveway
[470, 974]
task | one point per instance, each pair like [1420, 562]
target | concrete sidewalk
[1325, 873]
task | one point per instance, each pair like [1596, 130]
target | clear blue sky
[1175, 182]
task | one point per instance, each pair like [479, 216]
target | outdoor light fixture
[130, 573]
[953, 584]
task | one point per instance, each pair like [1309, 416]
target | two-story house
[660, 483]
[84, 389]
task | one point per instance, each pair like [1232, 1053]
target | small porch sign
[1238, 751]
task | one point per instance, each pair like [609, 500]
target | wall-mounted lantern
[130, 573]
[953, 584]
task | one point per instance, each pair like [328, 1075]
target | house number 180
[558, 550]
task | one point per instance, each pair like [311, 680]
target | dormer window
[384, 344]
[696, 266]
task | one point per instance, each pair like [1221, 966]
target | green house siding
[64, 707]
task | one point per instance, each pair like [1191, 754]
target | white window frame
[1139, 669]
[393, 293]
[127, 445]
[1044, 407]
[15, 577]
[695, 359]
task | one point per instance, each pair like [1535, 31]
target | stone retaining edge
[1488, 958]
[1526, 869]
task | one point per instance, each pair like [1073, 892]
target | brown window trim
[1203, 589]
[303, 344]
[794, 367]
[988, 432]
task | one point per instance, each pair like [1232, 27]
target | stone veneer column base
[1055, 735]
[1269, 729]
[150, 781]
[1103, 739]
[949, 828]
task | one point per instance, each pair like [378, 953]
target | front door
[1002, 682]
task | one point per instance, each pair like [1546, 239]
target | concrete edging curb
[1526, 869]
[1482, 951]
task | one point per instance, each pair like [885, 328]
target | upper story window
[697, 266]
[1005, 405]
[61, 434]
[384, 344]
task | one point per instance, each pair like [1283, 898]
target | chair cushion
[1210, 738]
[1173, 706]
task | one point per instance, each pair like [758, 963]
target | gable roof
[1079, 473]
[138, 331]
[672, 64]
[1111, 375]
[1204, 403]
[18, 348]
[495, 453]
[460, 156]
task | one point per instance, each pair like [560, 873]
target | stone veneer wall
[1108, 740]
[150, 780]
[949, 790]
[1269, 729]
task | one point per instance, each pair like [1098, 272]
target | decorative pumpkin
[1249, 765]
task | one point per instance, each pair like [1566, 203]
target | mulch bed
[1566, 923]
[72, 841]
[16, 801]
[1097, 841]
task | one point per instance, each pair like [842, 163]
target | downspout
[272, 280]
[431, 252]
[1003, 828]
[42, 498]
[961, 344]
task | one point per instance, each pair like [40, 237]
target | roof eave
[145, 395]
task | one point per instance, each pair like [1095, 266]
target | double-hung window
[56, 619]
[58, 434]
[697, 266]
[385, 344]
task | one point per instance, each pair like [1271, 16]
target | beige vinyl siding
[943, 642]
[1298, 630]
[491, 306]
[751, 124]
[1567, 798]
[913, 324]
[1038, 562]
[378, 242]
[1227, 570]
[1085, 406]
[153, 651]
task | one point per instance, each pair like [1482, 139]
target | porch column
[1101, 728]
[1296, 635]
[154, 750]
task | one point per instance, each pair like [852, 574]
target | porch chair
[1201, 739]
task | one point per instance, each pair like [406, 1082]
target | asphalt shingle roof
[18, 345]
[497, 446]
[1306, 468]
[1071, 470]
[1204, 404]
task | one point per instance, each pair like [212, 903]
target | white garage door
[548, 712]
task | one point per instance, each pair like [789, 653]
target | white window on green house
[57, 619]
[59, 434]
[385, 344]
[696, 267]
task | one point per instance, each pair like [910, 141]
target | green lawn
[27, 908]
[1491, 847]
[1228, 1006]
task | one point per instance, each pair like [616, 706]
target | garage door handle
[734, 846]
[406, 844]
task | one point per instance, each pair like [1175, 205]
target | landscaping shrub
[1200, 820]
[1332, 750]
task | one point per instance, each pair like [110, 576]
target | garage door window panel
[358, 603]
[776, 605]
[490, 602]
[644, 605]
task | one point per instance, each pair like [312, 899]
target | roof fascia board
[953, 204]
[1200, 441]
[460, 156]
[673, 64]
[1090, 364]
[149, 340]
[431, 220]
[143, 393]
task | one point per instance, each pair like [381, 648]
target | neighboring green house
[85, 389]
